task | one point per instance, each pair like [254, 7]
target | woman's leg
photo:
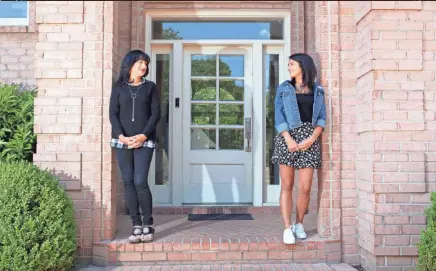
[125, 162]
[142, 160]
[287, 183]
[305, 184]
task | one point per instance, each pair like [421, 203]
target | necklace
[133, 95]
[300, 89]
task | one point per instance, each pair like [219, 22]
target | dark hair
[307, 68]
[128, 61]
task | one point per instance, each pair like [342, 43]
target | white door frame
[258, 122]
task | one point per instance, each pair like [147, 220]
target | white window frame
[259, 186]
[16, 21]
[271, 192]
[162, 193]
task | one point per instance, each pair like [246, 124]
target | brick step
[207, 249]
[178, 240]
[229, 267]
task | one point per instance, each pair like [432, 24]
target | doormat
[205, 217]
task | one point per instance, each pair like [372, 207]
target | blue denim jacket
[287, 116]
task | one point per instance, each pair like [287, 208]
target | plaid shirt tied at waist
[116, 143]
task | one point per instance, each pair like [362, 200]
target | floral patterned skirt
[310, 158]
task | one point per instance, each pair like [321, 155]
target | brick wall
[74, 77]
[396, 91]
[330, 201]
[17, 59]
[17, 51]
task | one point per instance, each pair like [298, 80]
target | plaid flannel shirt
[116, 143]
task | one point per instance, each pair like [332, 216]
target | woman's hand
[124, 139]
[306, 144]
[138, 140]
[292, 145]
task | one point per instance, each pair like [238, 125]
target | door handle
[247, 129]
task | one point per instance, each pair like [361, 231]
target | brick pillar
[326, 33]
[73, 66]
[393, 86]
[348, 130]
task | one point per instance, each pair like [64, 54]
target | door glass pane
[231, 114]
[162, 129]
[271, 79]
[231, 139]
[203, 65]
[203, 90]
[203, 114]
[231, 90]
[190, 30]
[231, 65]
[203, 138]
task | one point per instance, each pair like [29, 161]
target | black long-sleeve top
[130, 119]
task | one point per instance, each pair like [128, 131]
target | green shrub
[17, 140]
[427, 242]
[37, 224]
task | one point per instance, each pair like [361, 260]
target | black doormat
[205, 217]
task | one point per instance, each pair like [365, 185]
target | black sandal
[147, 234]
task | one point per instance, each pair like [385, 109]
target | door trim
[177, 78]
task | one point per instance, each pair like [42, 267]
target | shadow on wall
[92, 218]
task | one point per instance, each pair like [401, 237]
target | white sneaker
[299, 231]
[288, 237]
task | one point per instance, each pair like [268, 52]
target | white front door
[217, 125]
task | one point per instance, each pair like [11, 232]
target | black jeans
[134, 166]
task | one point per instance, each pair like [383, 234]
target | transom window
[14, 13]
[206, 30]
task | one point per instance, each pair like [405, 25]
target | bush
[37, 225]
[17, 140]
[427, 242]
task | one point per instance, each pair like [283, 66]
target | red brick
[179, 256]
[204, 256]
[409, 5]
[154, 256]
[229, 256]
[403, 261]
[129, 256]
[255, 255]
[397, 240]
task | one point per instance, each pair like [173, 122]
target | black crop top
[305, 106]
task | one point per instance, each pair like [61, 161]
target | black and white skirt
[310, 158]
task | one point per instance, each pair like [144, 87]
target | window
[14, 13]
[192, 30]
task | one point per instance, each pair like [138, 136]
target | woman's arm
[281, 124]
[320, 122]
[114, 112]
[155, 112]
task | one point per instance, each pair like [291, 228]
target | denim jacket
[287, 115]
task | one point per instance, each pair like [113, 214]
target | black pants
[134, 166]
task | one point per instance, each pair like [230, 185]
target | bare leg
[287, 183]
[305, 184]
